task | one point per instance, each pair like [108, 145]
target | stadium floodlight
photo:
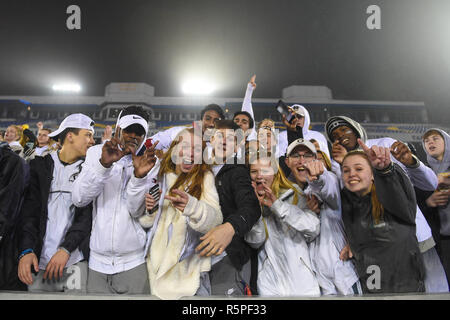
[198, 87]
[66, 87]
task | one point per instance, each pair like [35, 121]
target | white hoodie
[117, 239]
[283, 233]
[307, 135]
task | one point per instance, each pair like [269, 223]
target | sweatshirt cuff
[190, 206]
[416, 164]
[138, 182]
[276, 208]
[100, 169]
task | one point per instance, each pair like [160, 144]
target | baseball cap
[301, 142]
[298, 109]
[131, 119]
[76, 121]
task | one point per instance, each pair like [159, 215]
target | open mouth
[345, 141]
[353, 182]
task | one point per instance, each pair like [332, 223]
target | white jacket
[334, 275]
[284, 264]
[117, 239]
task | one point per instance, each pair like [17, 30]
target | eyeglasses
[306, 156]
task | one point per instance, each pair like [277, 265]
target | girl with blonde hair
[188, 208]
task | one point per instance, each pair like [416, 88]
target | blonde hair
[280, 181]
[192, 180]
[271, 123]
[19, 131]
[377, 207]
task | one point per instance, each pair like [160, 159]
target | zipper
[115, 213]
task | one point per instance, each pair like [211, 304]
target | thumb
[35, 264]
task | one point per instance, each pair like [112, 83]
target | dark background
[283, 42]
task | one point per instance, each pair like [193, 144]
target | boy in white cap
[116, 262]
[52, 231]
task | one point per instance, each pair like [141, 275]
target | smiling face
[346, 137]
[357, 174]
[224, 143]
[187, 150]
[263, 174]
[435, 145]
[296, 162]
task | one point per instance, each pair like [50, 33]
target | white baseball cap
[76, 121]
[298, 109]
[301, 142]
[130, 119]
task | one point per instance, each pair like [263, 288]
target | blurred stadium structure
[405, 121]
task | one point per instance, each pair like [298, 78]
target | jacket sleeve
[136, 190]
[327, 187]
[247, 106]
[80, 228]
[204, 214]
[257, 236]
[248, 211]
[422, 176]
[31, 210]
[12, 184]
[91, 181]
[302, 220]
[396, 193]
[166, 137]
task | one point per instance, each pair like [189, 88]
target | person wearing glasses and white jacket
[116, 264]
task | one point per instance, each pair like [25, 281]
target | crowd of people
[225, 207]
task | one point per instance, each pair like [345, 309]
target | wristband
[25, 252]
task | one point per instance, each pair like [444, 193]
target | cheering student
[189, 208]
[231, 266]
[282, 233]
[436, 143]
[343, 132]
[116, 262]
[52, 231]
[209, 115]
[378, 210]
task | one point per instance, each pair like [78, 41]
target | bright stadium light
[66, 87]
[197, 87]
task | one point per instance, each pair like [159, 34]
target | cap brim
[56, 133]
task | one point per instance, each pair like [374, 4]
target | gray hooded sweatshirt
[440, 167]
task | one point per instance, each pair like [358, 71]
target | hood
[307, 120]
[360, 131]
[436, 165]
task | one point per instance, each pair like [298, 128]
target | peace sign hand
[180, 200]
[143, 164]
[379, 157]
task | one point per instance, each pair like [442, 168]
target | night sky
[283, 42]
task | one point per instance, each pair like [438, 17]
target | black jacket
[392, 244]
[35, 212]
[13, 174]
[240, 208]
